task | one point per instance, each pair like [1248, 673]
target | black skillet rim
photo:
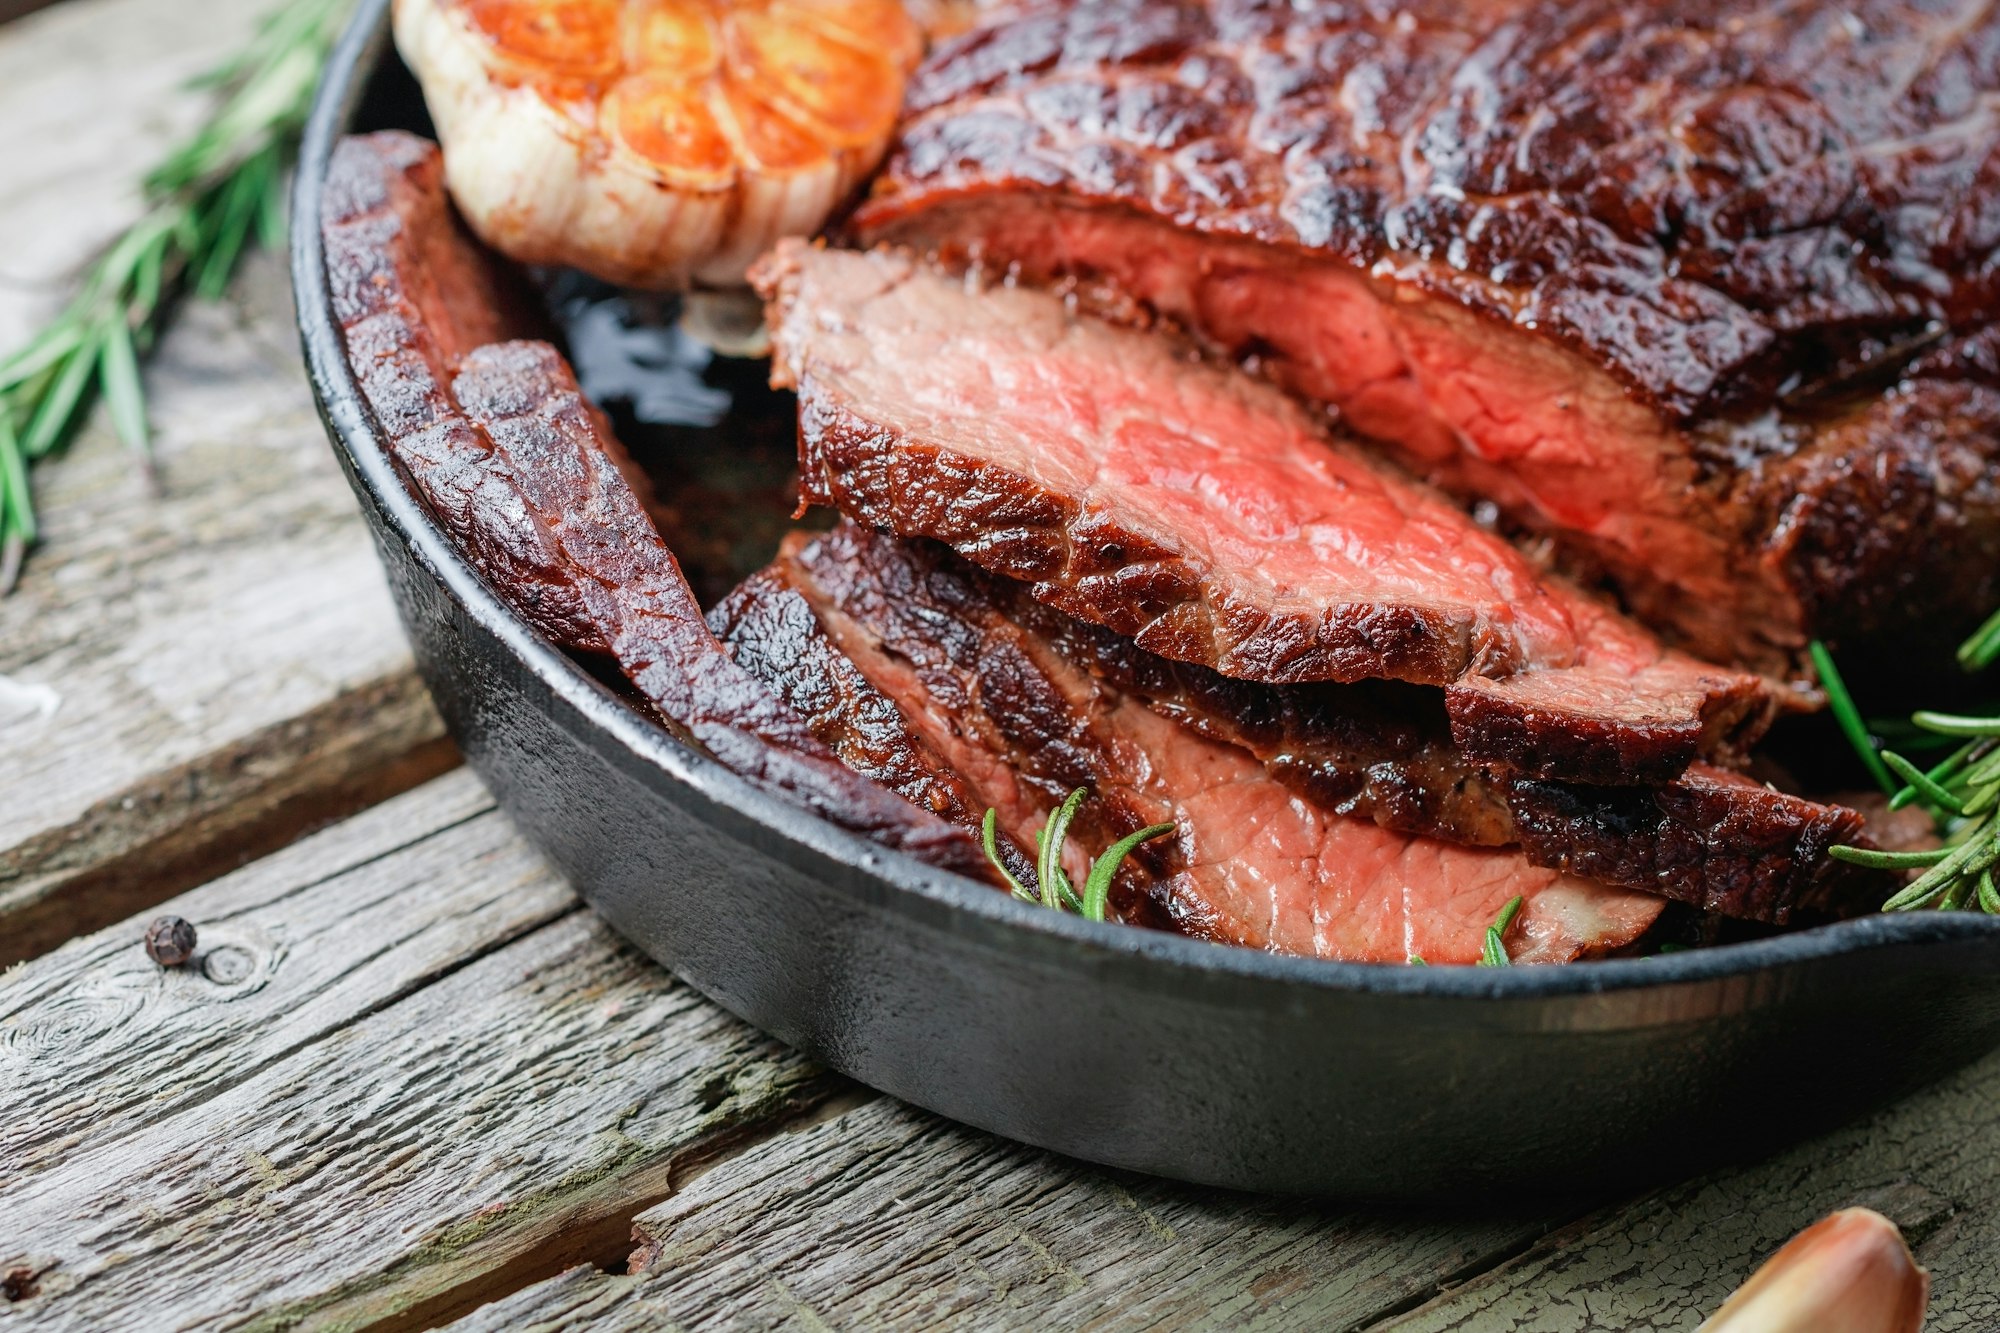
[816, 846]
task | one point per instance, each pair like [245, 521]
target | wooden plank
[92, 92]
[888, 1217]
[95, 1040]
[1931, 1163]
[189, 678]
[344, 1145]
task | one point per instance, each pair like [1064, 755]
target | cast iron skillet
[1119, 1045]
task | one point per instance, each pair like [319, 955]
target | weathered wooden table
[409, 1080]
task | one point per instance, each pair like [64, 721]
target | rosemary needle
[211, 197]
[1961, 794]
[1494, 952]
[1848, 716]
[1052, 886]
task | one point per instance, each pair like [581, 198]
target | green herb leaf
[1980, 651]
[123, 394]
[55, 414]
[1055, 885]
[989, 839]
[210, 197]
[1494, 951]
[1053, 889]
[1097, 888]
[1874, 860]
[1921, 783]
[17, 515]
[1848, 716]
[1950, 724]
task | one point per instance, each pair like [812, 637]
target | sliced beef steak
[1650, 275]
[1711, 838]
[500, 446]
[1202, 514]
[1022, 723]
[1383, 751]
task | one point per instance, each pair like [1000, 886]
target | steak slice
[1203, 515]
[1383, 751]
[1022, 724]
[501, 447]
[1651, 275]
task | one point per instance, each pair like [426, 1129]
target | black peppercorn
[170, 941]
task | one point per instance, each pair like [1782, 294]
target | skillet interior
[1122, 1046]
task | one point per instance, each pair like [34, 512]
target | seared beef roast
[1202, 514]
[500, 445]
[1699, 288]
[1377, 750]
[1022, 723]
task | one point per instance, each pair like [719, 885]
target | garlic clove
[1847, 1273]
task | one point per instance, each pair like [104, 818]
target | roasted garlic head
[656, 143]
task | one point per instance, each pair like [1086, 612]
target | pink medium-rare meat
[1660, 279]
[1252, 863]
[1202, 514]
[498, 443]
[1382, 750]
[1379, 750]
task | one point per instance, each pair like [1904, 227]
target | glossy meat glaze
[1199, 513]
[1023, 722]
[1701, 289]
[495, 438]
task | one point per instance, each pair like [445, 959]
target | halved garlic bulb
[656, 143]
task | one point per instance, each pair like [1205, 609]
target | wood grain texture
[194, 677]
[887, 1217]
[95, 1040]
[92, 92]
[1931, 1164]
[382, 1109]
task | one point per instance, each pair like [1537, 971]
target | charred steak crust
[1714, 200]
[1382, 750]
[1714, 839]
[1091, 566]
[1025, 719]
[1886, 519]
[1200, 514]
[1609, 264]
[773, 634]
[499, 444]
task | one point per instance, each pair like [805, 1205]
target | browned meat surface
[1711, 838]
[1200, 513]
[1378, 750]
[1650, 275]
[772, 632]
[498, 443]
[1022, 722]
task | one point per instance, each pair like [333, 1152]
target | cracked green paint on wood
[886, 1217]
[1931, 1164]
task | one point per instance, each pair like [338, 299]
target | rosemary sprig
[207, 201]
[1961, 792]
[1053, 888]
[1494, 952]
[1841, 704]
